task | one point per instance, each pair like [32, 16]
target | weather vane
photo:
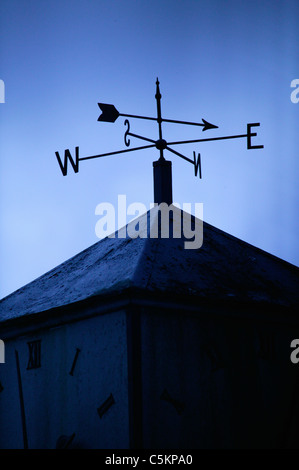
[110, 114]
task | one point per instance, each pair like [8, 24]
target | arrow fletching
[109, 112]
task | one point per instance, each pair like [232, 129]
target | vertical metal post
[162, 167]
[158, 97]
[162, 181]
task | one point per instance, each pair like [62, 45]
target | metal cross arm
[248, 135]
[110, 114]
[75, 164]
[161, 144]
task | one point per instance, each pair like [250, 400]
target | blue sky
[230, 63]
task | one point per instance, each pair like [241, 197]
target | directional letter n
[197, 164]
[68, 156]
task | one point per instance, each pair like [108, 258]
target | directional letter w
[67, 155]
[197, 164]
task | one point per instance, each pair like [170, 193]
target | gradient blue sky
[229, 62]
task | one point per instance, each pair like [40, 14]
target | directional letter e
[2, 92]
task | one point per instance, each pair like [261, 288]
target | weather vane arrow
[110, 114]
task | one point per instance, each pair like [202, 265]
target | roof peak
[223, 267]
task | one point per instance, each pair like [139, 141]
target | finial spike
[158, 94]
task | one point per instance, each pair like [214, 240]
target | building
[140, 343]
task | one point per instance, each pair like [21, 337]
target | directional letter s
[127, 141]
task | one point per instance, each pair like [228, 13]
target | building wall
[217, 381]
[57, 403]
[187, 380]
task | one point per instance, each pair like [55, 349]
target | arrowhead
[208, 125]
[109, 113]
